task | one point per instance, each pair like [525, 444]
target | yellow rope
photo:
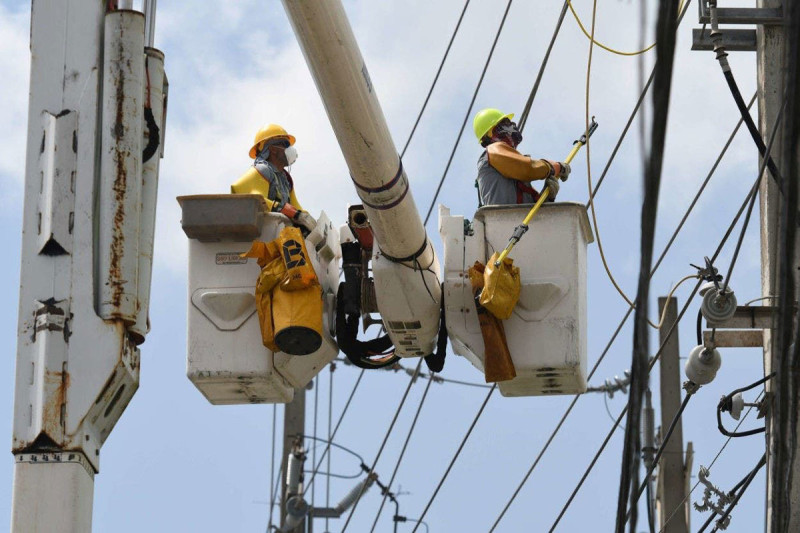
[608, 48]
[592, 42]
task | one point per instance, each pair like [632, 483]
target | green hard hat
[486, 119]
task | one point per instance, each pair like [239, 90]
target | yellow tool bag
[272, 272]
[497, 363]
[297, 319]
[299, 271]
[501, 287]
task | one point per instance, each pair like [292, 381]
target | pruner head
[589, 132]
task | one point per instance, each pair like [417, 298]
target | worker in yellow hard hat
[504, 174]
[272, 151]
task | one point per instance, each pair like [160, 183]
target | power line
[403, 451]
[455, 457]
[523, 118]
[383, 445]
[748, 479]
[666, 27]
[333, 434]
[713, 461]
[435, 79]
[469, 111]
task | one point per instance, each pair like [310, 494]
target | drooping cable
[403, 450]
[682, 503]
[435, 79]
[523, 117]
[383, 445]
[455, 457]
[629, 311]
[335, 429]
[721, 55]
[753, 199]
[739, 494]
[666, 27]
[469, 111]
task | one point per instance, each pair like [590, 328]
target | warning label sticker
[230, 258]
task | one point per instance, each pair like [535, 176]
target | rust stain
[53, 410]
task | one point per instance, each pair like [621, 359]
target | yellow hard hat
[270, 131]
[486, 119]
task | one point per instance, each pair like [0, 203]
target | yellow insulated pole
[520, 230]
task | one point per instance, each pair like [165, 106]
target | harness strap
[522, 189]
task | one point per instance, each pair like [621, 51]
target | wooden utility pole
[770, 42]
[672, 472]
[294, 426]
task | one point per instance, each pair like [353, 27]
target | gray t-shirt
[496, 189]
[279, 186]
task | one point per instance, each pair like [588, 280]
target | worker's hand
[560, 170]
[552, 184]
[305, 220]
[289, 210]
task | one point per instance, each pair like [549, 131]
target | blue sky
[175, 463]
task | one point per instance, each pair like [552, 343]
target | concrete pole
[770, 71]
[294, 424]
[671, 470]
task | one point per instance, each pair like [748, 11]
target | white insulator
[705, 287]
[147, 218]
[120, 166]
[359, 490]
[718, 307]
[293, 472]
[737, 404]
[702, 365]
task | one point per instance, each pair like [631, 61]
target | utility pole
[294, 422]
[770, 42]
[672, 472]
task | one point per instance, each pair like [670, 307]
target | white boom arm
[405, 266]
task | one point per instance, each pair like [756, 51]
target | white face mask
[291, 155]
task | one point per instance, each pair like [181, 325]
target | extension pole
[294, 422]
[671, 469]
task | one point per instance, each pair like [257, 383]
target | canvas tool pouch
[272, 272]
[299, 271]
[501, 287]
[297, 319]
[497, 363]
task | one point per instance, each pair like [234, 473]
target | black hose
[725, 405]
[153, 136]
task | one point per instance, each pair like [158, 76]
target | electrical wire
[383, 445]
[333, 434]
[469, 111]
[435, 79]
[713, 461]
[601, 45]
[330, 441]
[724, 404]
[272, 488]
[455, 457]
[523, 117]
[650, 521]
[314, 452]
[403, 451]
[666, 28]
[741, 492]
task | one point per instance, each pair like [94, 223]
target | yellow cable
[592, 42]
[601, 45]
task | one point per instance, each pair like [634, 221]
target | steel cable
[435, 79]
[469, 111]
[455, 457]
[403, 451]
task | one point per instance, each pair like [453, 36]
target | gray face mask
[291, 155]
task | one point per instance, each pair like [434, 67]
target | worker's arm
[516, 166]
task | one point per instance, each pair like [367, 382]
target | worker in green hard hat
[504, 174]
